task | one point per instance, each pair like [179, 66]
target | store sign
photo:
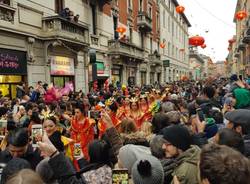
[166, 63]
[100, 67]
[13, 62]
[62, 65]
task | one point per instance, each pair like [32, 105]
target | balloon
[124, 87]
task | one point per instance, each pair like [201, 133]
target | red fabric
[83, 134]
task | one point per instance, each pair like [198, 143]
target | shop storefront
[100, 72]
[13, 71]
[62, 70]
[116, 74]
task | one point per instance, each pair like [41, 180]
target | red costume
[82, 133]
[102, 126]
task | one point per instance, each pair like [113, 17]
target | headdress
[47, 114]
[143, 96]
[133, 100]
[110, 101]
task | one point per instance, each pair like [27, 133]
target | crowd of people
[187, 132]
[69, 15]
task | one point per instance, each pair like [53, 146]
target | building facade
[196, 64]
[174, 34]
[241, 52]
[37, 43]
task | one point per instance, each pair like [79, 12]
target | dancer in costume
[136, 113]
[144, 108]
[82, 132]
[111, 109]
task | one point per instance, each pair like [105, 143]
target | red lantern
[203, 46]
[121, 29]
[196, 41]
[231, 41]
[162, 45]
[180, 9]
[240, 15]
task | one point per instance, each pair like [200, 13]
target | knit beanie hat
[148, 171]
[130, 153]
[178, 136]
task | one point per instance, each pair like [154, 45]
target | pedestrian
[178, 144]
[220, 164]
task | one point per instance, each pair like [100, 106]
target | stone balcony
[56, 27]
[155, 58]
[7, 13]
[144, 22]
[125, 49]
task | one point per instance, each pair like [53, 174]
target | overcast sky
[212, 19]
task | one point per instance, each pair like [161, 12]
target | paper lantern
[162, 45]
[121, 29]
[196, 41]
[240, 15]
[203, 46]
[180, 9]
[231, 41]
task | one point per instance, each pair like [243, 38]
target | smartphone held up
[36, 131]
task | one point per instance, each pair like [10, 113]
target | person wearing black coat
[19, 147]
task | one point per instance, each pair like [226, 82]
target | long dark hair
[99, 152]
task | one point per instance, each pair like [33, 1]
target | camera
[95, 114]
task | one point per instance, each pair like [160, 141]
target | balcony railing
[7, 13]
[144, 22]
[125, 49]
[58, 27]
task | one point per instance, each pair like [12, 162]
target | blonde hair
[25, 176]
[146, 128]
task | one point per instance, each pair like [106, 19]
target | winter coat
[33, 157]
[247, 145]
[64, 170]
[186, 168]
[168, 167]
[136, 138]
[114, 139]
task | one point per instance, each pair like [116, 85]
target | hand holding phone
[36, 132]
